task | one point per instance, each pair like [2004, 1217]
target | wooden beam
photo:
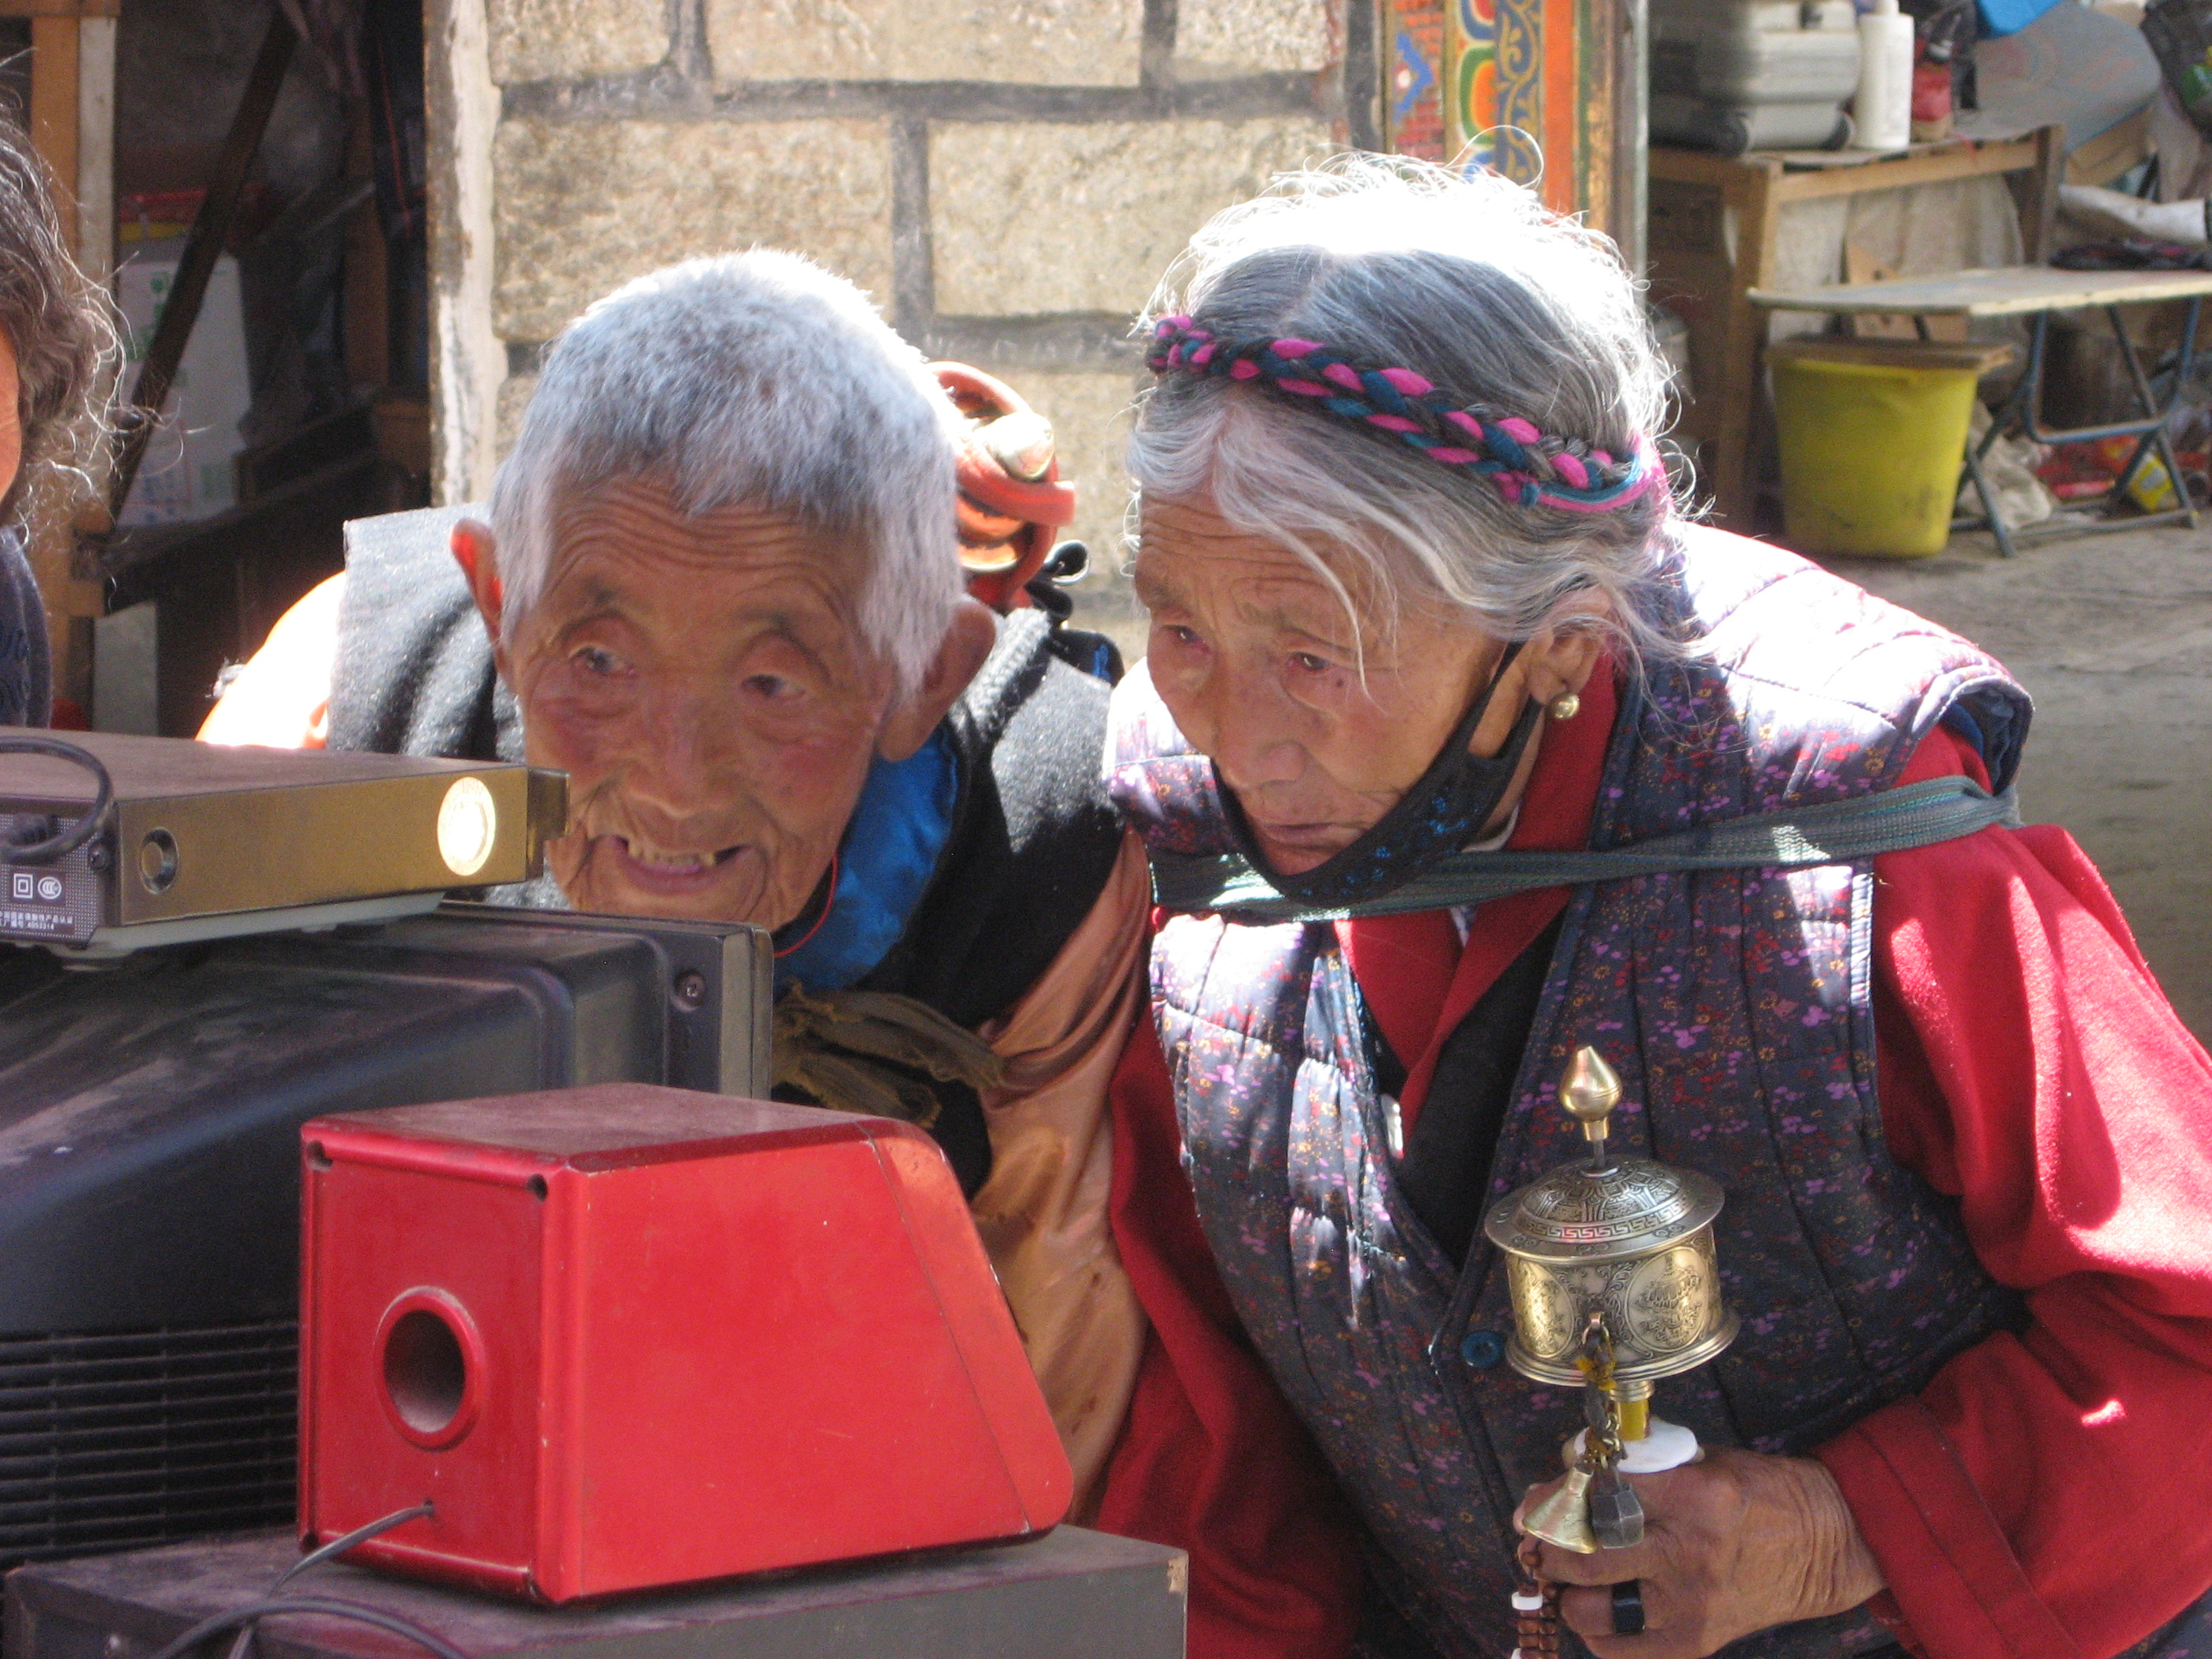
[2039, 216]
[364, 295]
[2017, 155]
[1695, 167]
[53, 112]
[61, 7]
[1734, 473]
[1729, 173]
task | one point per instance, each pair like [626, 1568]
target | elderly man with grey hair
[720, 589]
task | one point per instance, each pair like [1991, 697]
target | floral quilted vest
[1735, 1007]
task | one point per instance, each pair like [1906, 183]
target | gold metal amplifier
[111, 843]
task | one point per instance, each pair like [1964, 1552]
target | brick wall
[1006, 177]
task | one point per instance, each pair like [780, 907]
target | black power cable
[323, 1606]
[338, 1547]
[49, 849]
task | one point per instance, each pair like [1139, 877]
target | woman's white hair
[1470, 282]
[756, 378]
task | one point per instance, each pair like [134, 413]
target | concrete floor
[2112, 637]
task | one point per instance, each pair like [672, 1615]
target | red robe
[2048, 1497]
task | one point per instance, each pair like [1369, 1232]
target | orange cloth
[1043, 1211]
[282, 697]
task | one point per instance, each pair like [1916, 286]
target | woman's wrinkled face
[1255, 658]
[702, 682]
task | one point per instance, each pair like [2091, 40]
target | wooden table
[2007, 291]
[2036, 292]
[1693, 271]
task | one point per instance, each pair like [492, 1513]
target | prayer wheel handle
[1590, 1091]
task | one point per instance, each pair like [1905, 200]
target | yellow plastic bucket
[1873, 434]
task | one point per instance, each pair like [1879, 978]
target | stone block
[1034, 218]
[583, 207]
[1090, 415]
[569, 39]
[1217, 38]
[507, 422]
[1031, 42]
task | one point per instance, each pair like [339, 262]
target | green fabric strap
[1834, 832]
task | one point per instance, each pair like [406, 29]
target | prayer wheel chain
[1616, 1513]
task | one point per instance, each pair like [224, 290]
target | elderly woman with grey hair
[719, 586]
[1421, 604]
[52, 331]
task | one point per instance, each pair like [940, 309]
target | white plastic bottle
[1882, 111]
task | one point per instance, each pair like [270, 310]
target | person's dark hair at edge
[58, 326]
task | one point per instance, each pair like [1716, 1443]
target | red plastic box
[629, 1336]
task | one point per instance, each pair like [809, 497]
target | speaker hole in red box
[432, 1359]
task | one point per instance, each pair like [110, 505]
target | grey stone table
[1070, 1595]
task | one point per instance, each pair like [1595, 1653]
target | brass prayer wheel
[1625, 1238]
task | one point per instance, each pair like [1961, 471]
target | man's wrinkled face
[703, 683]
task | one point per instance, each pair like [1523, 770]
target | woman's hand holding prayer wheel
[1736, 1543]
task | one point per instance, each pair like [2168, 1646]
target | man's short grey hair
[756, 378]
[1469, 281]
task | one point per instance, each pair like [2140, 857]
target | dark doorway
[317, 327]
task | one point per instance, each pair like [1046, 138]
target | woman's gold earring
[1564, 707]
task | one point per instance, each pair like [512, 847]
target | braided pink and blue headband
[1529, 467]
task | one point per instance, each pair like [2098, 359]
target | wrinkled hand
[1731, 1545]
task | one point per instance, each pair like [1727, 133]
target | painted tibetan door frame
[1541, 90]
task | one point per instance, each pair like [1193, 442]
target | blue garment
[890, 849]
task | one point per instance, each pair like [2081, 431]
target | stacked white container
[1737, 75]
[1881, 110]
